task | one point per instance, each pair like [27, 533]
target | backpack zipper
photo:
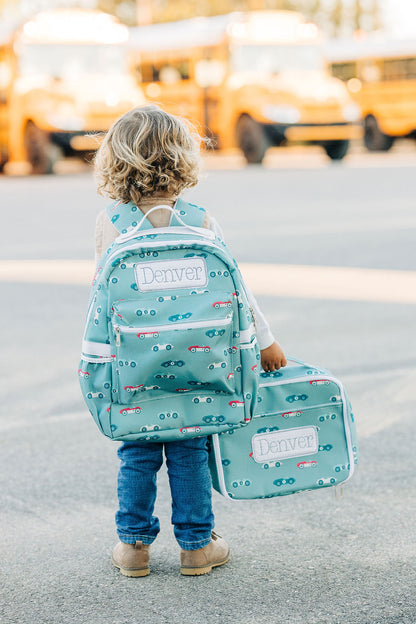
[253, 314]
[119, 329]
[293, 409]
[310, 378]
[230, 262]
[183, 243]
[152, 245]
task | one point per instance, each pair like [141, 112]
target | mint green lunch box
[302, 437]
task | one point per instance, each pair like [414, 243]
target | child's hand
[272, 358]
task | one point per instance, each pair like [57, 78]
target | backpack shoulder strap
[124, 217]
[191, 214]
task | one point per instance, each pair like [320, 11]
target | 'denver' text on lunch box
[282, 444]
[165, 275]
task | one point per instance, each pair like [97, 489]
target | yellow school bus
[64, 75]
[381, 75]
[251, 80]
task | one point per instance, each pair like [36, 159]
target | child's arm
[272, 356]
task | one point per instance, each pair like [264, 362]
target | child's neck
[158, 218]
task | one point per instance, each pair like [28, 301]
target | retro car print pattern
[325, 463]
[173, 352]
[198, 343]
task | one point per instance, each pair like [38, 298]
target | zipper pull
[117, 330]
[253, 314]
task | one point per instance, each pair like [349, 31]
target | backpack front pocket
[177, 355]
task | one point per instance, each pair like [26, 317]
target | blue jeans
[190, 486]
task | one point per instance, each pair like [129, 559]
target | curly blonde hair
[146, 152]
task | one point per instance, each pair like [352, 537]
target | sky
[400, 16]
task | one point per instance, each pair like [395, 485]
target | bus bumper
[71, 142]
[326, 132]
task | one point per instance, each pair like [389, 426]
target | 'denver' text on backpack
[169, 348]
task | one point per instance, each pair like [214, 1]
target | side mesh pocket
[96, 386]
[250, 362]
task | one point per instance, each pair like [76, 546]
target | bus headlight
[351, 112]
[282, 114]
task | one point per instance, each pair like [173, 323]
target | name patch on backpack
[169, 274]
[285, 443]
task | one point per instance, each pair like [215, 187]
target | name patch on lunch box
[276, 445]
[165, 275]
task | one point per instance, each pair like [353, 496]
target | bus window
[70, 61]
[147, 72]
[371, 72]
[174, 72]
[344, 71]
[182, 67]
[272, 59]
[169, 73]
[399, 69]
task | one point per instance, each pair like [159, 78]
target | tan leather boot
[131, 559]
[201, 561]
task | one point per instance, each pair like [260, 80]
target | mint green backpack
[169, 348]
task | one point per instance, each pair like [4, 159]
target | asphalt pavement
[323, 557]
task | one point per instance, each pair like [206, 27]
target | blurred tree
[337, 17]
[125, 10]
[376, 21]
[6, 4]
[167, 10]
[315, 9]
[333, 16]
[358, 15]
[281, 5]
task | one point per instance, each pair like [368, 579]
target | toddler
[149, 157]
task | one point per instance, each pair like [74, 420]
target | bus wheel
[3, 160]
[374, 139]
[251, 139]
[40, 152]
[336, 150]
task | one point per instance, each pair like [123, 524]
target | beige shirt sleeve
[105, 234]
[264, 334]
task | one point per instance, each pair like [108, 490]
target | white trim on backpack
[132, 233]
[246, 334]
[175, 229]
[96, 360]
[220, 471]
[155, 245]
[99, 349]
[169, 327]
